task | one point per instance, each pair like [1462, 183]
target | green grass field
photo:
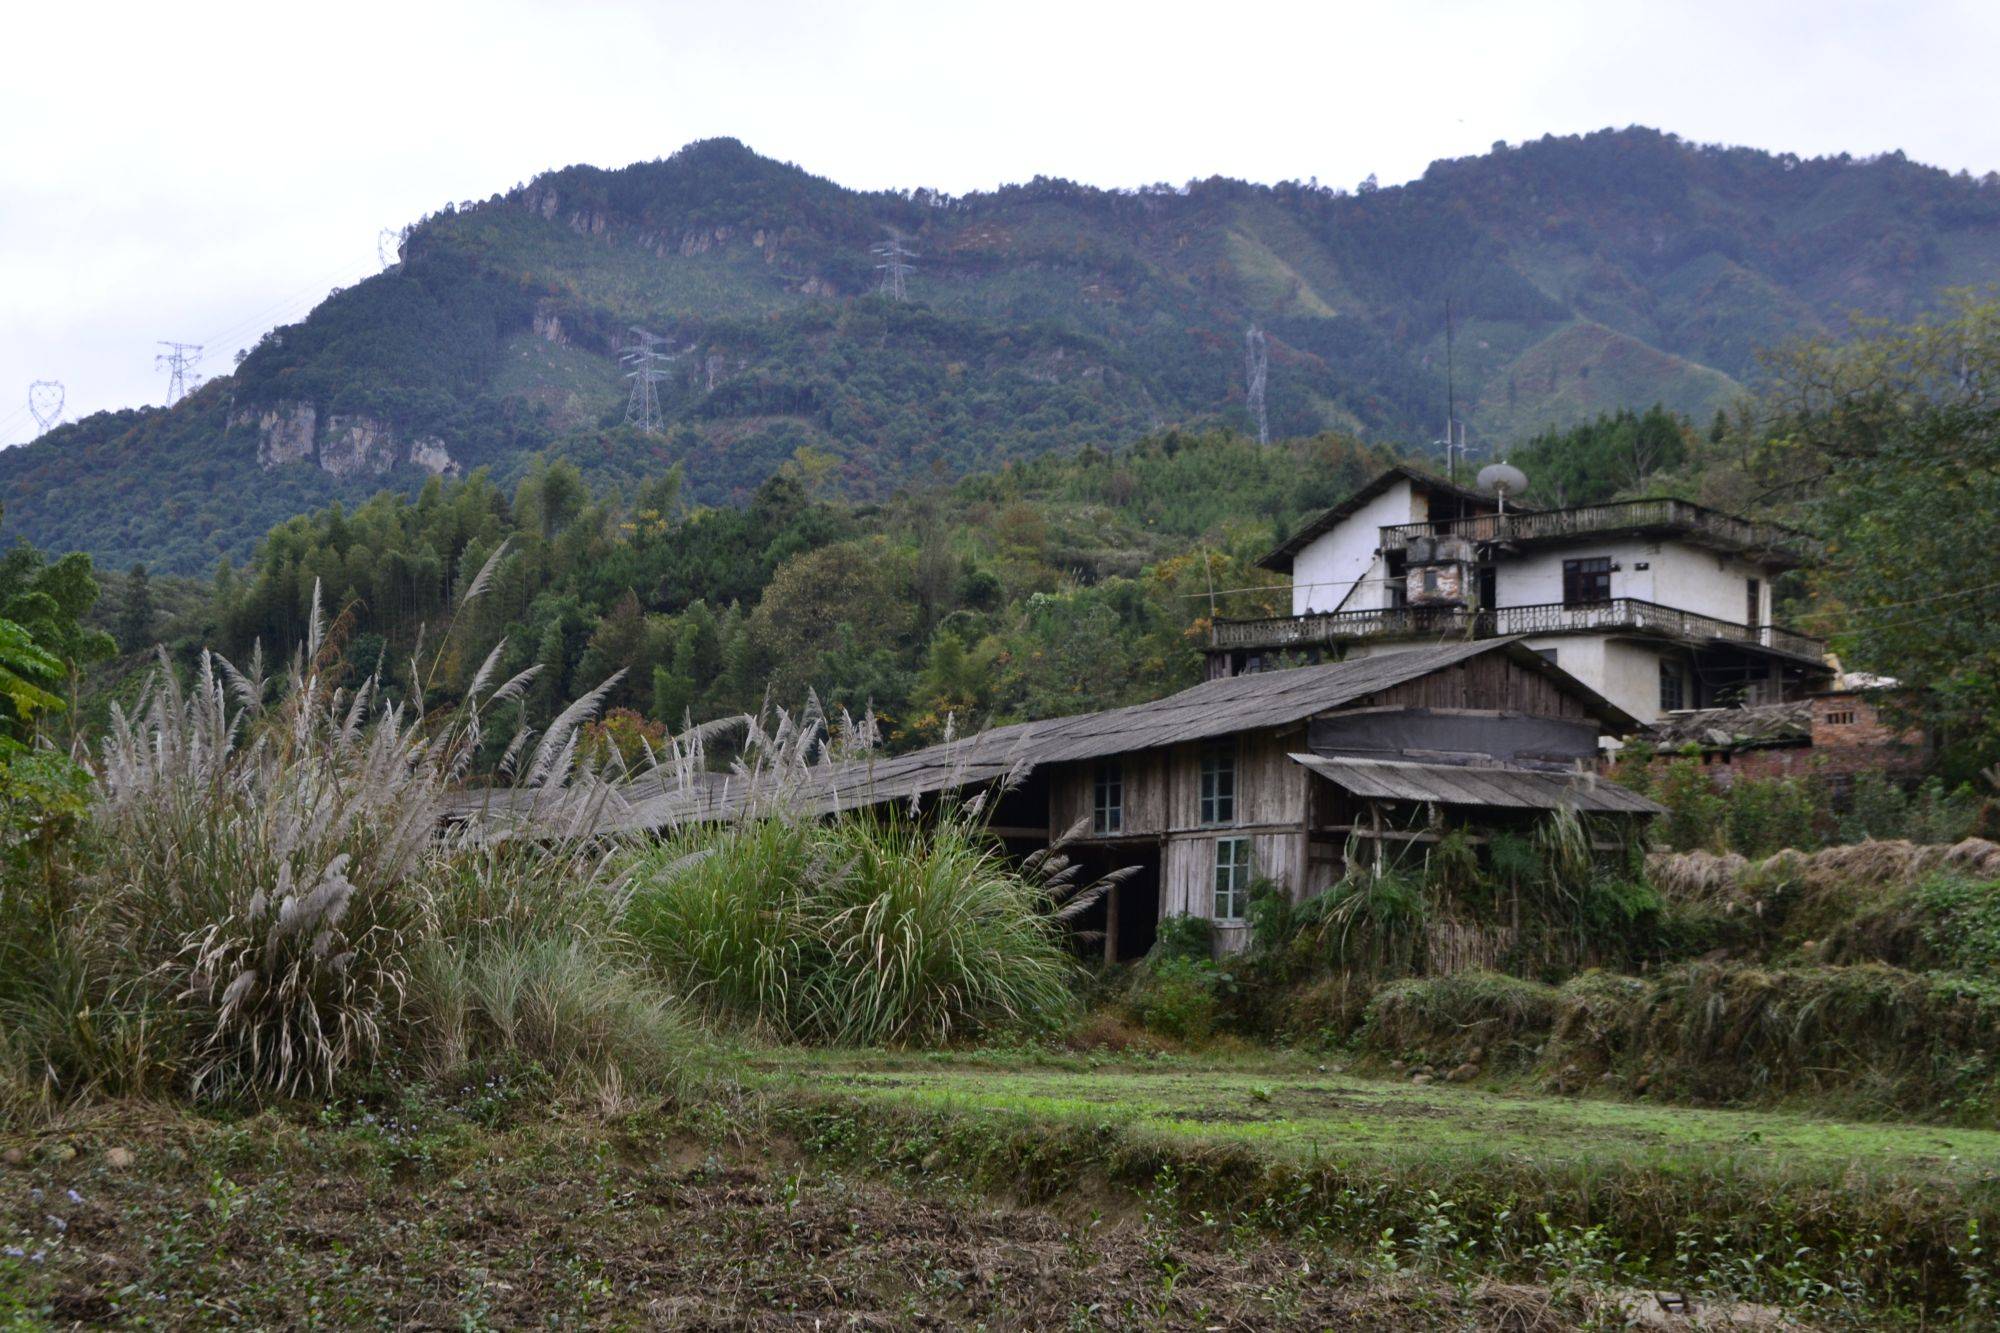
[1279, 1107]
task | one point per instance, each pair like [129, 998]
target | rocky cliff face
[345, 445]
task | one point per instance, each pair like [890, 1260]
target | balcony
[1682, 518]
[1620, 615]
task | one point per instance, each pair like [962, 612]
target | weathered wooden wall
[1490, 680]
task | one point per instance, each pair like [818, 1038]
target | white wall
[1678, 575]
[1326, 572]
[1625, 672]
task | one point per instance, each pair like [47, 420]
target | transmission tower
[45, 404]
[895, 266]
[389, 246]
[1257, 365]
[648, 366]
[177, 361]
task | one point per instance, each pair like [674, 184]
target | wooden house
[1269, 776]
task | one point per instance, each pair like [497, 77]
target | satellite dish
[1502, 480]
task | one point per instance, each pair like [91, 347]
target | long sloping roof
[1502, 788]
[1210, 710]
[1279, 558]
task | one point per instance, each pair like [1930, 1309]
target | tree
[136, 616]
[1893, 440]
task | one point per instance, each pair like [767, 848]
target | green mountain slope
[1587, 273]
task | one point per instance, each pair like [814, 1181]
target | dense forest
[1055, 585]
[1582, 275]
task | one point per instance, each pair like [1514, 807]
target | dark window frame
[1673, 686]
[1587, 580]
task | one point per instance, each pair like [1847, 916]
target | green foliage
[1179, 997]
[1184, 937]
[1892, 439]
[1600, 460]
[869, 930]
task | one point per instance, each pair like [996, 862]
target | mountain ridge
[1584, 273]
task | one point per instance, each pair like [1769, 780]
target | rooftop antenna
[1501, 480]
[177, 361]
[45, 404]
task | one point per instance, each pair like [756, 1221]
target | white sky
[204, 171]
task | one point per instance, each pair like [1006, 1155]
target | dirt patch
[429, 1226]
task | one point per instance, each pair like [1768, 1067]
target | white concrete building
[1657, 605]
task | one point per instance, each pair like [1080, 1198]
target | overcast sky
[204, 171]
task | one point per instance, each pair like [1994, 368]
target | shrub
[1484, 1016]
[1178, 997]
[866, 930]
[1190, 938]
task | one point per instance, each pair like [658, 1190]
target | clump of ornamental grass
[866, 930]
[275, 889]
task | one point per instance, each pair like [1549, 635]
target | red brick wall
[1848, 737]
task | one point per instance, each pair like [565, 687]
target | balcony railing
[1623, 615]
[1524, 527]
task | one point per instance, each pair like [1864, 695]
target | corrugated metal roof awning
[1502, 788]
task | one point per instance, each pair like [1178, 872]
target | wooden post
[1111, 925]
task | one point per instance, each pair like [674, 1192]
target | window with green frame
[1107, 806]
[1218, 784]
[1232, 878]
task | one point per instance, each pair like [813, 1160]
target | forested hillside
[1584, 274]
[1055, 585]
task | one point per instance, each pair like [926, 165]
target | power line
[177, 361]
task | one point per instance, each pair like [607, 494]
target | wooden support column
[1111, 924]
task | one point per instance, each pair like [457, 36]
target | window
[1232, 878]
[1673, 694]
[1587, 581]
[1107, 805]
[1430, 580]
[1549, 655]
[1841, 719]
[1218, 784]
[1753, 603]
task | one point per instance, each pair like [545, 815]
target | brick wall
[1849, 737]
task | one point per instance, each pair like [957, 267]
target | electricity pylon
[895, 266]
[1257, 366]
[648, 367]
[177, 361]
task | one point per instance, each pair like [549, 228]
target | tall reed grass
[269, 891]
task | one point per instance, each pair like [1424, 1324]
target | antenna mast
[177, 361]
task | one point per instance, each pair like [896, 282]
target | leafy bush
[866, 930]
[1187, 938]
[1179, 997]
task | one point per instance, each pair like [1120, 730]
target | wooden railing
[1604, 519]
[1621, 615]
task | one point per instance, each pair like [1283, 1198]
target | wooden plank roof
[1496, 787]
[1211, 710]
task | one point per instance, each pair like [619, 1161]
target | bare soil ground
[140, 1217]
